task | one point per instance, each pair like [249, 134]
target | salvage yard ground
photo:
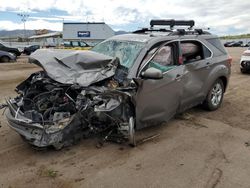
[198, 149]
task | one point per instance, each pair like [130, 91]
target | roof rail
[190, 32]
[173, 23]
[199, 31]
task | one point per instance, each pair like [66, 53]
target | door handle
[208, 65]
[178, 77]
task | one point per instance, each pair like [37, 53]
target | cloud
[46, 18]
[221, 15]
[34, 24]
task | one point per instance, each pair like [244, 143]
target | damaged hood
[75, 67]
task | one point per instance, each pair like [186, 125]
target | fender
[218, 71]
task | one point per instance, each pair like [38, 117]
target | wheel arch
[219, 72]
[5, 56]
[225, 81]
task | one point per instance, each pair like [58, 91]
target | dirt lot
[199, 149]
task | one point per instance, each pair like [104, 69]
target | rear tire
[5, 59]
[215, 96]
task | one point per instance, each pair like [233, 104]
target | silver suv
[127, 82]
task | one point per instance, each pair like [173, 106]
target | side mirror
[152, 73]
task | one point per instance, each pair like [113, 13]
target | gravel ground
[199, 149]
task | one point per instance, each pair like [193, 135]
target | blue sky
[223, 17]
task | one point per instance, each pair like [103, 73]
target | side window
[75, 44]
[193, 51]
[207, 53]
[162, 58]
[217, 44]
[83, 44]
[66, 44]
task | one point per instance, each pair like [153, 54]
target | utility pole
[24, 18]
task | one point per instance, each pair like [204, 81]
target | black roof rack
[144, 30]
[172, 23]
[181, 31]
[171, 31]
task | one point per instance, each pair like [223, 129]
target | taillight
[230, 59]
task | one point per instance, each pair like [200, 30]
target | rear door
[197, 62]
[158, 100]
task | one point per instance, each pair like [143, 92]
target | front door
[157, 100]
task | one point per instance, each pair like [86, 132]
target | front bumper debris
[47, 113]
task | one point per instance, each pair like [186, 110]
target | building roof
[48, 35]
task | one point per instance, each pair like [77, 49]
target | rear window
[217, 44]
[193, 51]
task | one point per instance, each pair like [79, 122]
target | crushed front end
[49, 113]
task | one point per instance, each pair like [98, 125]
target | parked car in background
[245, 61]
[76, 45]
[30, 49]
[12, 50]
[6, 57]
[238, 44]
[247, 44]
[50, 45]
[226, 44]
[123, 84]
[235, 44]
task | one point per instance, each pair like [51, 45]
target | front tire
[215, 96]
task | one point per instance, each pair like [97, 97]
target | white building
[49, 39]
[90, 32]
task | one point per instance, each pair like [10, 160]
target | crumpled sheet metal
[110, 105]
[75, 67]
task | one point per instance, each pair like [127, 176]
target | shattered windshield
[126, 51]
